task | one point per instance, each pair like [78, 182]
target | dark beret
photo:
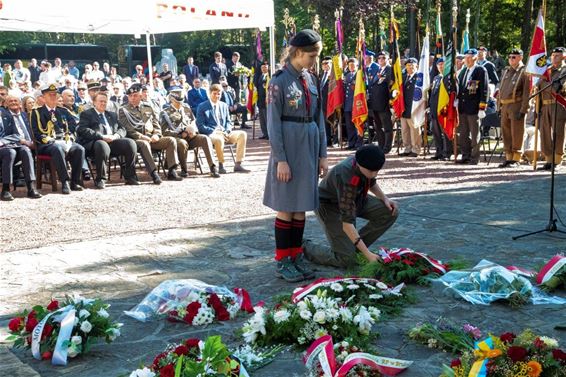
[135, 88]
[411, 60]
[559, 50]
[327, 58]
[382, 53]
[370, 157]
[516, 51]
[440, 60]
[306, 37]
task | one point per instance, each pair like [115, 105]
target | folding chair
[490, 131]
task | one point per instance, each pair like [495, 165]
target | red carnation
[46, 355]
[167, 371]
[16, 324]
[507, 337]
[31, 323]
[539, 343]
[53, 305]
[192, 343]
[517, 353]
[32, 314]
[192, 311]
[455, 363]
[158, 359]
[221, 312]
[181, 350]
[559, 355]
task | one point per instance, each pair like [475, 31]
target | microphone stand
[551, 226]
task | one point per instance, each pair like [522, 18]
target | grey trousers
[469, 129]
[342, 252]
[9, 156]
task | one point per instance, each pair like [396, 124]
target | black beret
[306, 37]
[370, 157]
[516, 51]
[135, 88]
[327, 58]
[559, 50]
[176, 93]
[411, 60]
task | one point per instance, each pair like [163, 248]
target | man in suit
[326, 72]
[15, 144]
[261, 82]
[177, 120]
[354, 140]
[217, 69]
[53, 138]
[196, 96]
[379, 102]
[233, 106]
[410, 132]
[472, 101]
[234, 78]
[191, 70]
[213, 120]
[442, 143]
[101, 136]
[142, 125]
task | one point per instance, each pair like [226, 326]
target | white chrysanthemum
[375, 296]
[336, 287]
[305, 314]
[301, 340]
[332, 314]
[352, 286]
[76, 339]
[84, 313]
[381, 285]
[346, 314]
[369, 286]
[86, 326]
[364, 320]
[281, 315]
[302, 306]
[319, 317]
[114, 333]
[375, 312]
[432, 343]
[550, 342]
[103, 313]
[145, 372]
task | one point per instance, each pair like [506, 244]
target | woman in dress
[298, 151]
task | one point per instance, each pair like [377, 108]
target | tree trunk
[527, 28]
[560, 20]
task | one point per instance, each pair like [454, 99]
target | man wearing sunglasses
[513, 102]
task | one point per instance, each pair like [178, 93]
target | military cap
[483, 48]
[559, 50]
[516, 51]
[93, 85]
[370, 157]
[471, 51]
[440, 60]
[176, 93]
[144, 87]
[411, 60]
[370, 53]
[135, 88]
[306, 37]
[49, 88]
[265, 62]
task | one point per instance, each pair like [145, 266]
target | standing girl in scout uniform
[298, 152]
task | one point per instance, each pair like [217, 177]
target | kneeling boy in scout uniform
[343, 197]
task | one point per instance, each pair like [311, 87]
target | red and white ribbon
[322, 351]
[521, 271]
[301, 292]
[551, 268]
[387, 254]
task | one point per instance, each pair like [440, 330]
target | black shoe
[463, 161]
[34, 194]
[436, 158]
[221, 169]
[99, 184]
[263, 138]
[184, 174]
[505, 164]
[546, 167]
[86, 175]
[404, 154]
[155, 177]
[214, 172]
[6, 196]
[172, 176]
[245, 127]
[412, 154]
[65, 189]
[76, 187]
[240, 169]
[132, 182]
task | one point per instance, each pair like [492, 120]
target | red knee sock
[297, 230]
[282, 239]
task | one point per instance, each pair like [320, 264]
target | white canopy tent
[139, 17]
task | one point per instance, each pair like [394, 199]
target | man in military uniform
[513, 101]
[142, 125]
[178, 121]
[354, 140]
[343, 197]
[379, 102]
[472, 101]
[93, 87]
[54, 138]
[410, 132]
[443, 144]
[553, 114]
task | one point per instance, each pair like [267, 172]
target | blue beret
[370, 53]
[411, 60]
[306, 37]
[440, 60]
[471, 51]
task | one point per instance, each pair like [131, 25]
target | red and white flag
[536, 64]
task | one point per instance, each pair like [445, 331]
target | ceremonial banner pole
[338, 15]
[453, 73]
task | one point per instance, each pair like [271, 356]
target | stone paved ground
[471, 221]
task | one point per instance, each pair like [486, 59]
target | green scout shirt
[347, 187]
